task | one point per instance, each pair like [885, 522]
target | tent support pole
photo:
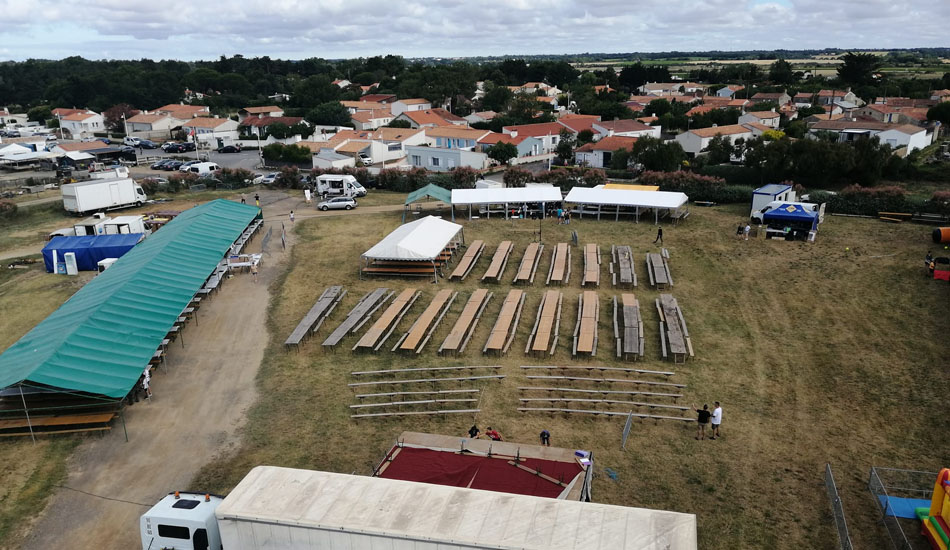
[599, 206]
[638, 214]
[470, 212]
[27, 413]
[122, 416]
[617, 217]
[435, 274]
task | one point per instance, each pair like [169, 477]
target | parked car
[269, 179]
[127, 149]
[169, 145]
[255, 180]
[160, 165]
[174, 148]
[366, 159]
[172, 165]
[186, 165]
[230, 149]
[338, 203]
[188, 146]
[147, 144]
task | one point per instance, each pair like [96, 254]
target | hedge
[698, 187]
[869, 201]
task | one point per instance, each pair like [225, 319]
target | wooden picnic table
[503, 325]
[367, 304]
[675, 339]
[373, 337]
[546, 319]
[417, 332]
[622, 266]
[591, 265]
[529, 263]
[465, 324]
[498, 262]
[560, 264]
[590, 308]
[317, 314]
[468, 260]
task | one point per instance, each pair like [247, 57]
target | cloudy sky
[205, 29]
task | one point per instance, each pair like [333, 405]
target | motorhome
[339, 185]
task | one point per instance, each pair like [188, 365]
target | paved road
[248, 160]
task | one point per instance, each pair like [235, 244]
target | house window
[416, 160]
[395, 147]
[435, 161]
[554, 140]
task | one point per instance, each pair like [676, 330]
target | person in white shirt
[716, 420]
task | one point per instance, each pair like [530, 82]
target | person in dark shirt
[474, 432]
[702, 419]
[546, 438]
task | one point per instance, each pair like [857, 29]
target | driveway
[197, 409]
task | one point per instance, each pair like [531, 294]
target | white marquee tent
[510, 197]
[658, 201]
[422, 240]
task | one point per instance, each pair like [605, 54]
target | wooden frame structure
[628, 327]
[600, 368]
[596, 412]
[506, 325]
[499, 261]
[622, 271]
[379, 332]
[548, 320]
[311, 322]
[588, 319]
[604, 380]
[674, 337]
[591, 265]
[560, 270]
[529, 264]
[363, 310]
[421, 330]
[468, 260]
[464, 327]
[658, 268]
[548, 389]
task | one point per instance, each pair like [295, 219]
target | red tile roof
[578, 123]
[620, 126]
[537, 130]
[268, 120]
[262, 110]
[611, 143]
[449, 116]
[379, 98]
[60, 111]
[425, 118]
[728, 130]
[494, 137]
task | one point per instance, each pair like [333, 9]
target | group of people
[563, 216]
[743, 231]
[493, 434]
[705, 417]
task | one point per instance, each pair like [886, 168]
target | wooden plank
[356, 315]
[605, 401]
[499, 260]
[499, 332]
[417, 331]
[65, 420]
[537, 473]
[390, 317]
[431, 392]
[606, 413]
[604, 380]
[588, 326]
[528, 263]
[468, 261]
[426, 380]
[599, 391]
[410, 403]
[601, 368]
[465, 322]
[411, 413]
[658, 268]
[559, 263]
[546, 318]
[422, 369]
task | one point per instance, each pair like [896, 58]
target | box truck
[109, 194]
[332, 185]
[291, 509]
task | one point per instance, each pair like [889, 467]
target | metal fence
[891, 482]
[837, 510]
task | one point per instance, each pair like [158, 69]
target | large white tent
[673, 203]
[422, 240]
[510, 197]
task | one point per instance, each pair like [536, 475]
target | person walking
[702, 419]
[716, 421]
[257, 199]
[493, 434]
[659, 236]
[739, 231]
[243, 198]
[746, 231]
[254, 271]
[545, 438]
[291, 216]
[146, 382]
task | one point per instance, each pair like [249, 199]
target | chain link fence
[891, 482]
[837, 510]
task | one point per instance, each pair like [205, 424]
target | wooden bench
[659, 271]
[588, 317]
[674, 396]
[465, 325]
[599, 368]
[368, 304]
[410, 403]
[431, 392]
[412, 413]
[603, 401]
[674, 338]
[428, 380]
[406, 271]
[628, 327]
[547, 324]
[621, 268]
[498, 262]
[560, 270]
[605, 380]
[422, 369]
[529, 264]
[503, 332]
[56, 424]
[421, 330]
[606, 413]
[379, 332]
[591, 265]
[468, 261]
[314, 318]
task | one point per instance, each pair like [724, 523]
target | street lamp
[125, 125]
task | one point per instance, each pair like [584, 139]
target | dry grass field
[828, 352]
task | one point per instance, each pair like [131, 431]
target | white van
[131, 141]
[342, 185]
[204, 168]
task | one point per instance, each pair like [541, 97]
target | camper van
[339, 185]
[204, 169]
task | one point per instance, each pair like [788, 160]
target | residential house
[210, 129]
[341, 83]
[803, 100]
[452, 137]
[548, 132]
[527, 146]
[940, 95]
[624, 128]
[369, 87]
[60, 112]
[183, 112]
[539, 88]
[150, 122]
[370, 120]
[82, 124]
[766, 118]
[481, 116]
[578, 123]
[12, 119]
[880, 112]
[423, 119]
[697, 140]
[827, 97]
[259, 126]
[670, 88]
[328, 159]
[449, 117]
[383, 145]
[703, 109]
[599, 154]
[758, 129]
[740, 104]
[358, 106]
[438, 159]
[780, 98]
[79, 146]
[814, 119]
[604, 88]
[260, 112]
[552, 101]
[730, 90]
[789, 111]
[639, 102]
[414, 104]
[379, 98]
[906, 102]
[904, 138]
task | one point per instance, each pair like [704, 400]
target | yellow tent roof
[625, 187]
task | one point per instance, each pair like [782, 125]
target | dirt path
[196, 411]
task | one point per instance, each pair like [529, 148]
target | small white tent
[420, 241]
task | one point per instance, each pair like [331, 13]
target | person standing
[702, 419]
[243, 198]
[567, 217]
[146, 383]
[739, 231]
[746, 231]
[716, 420]
[257, 199]
[254, 271]
[659, 236]
[560, 215]
[545, 438]
[291, 216]
[474, 432]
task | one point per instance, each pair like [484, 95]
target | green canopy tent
[429, 191]
[100, 340]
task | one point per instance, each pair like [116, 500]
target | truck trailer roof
[288, 499]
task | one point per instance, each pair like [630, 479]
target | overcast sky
[295, 29]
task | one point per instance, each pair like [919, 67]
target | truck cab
[181, 521]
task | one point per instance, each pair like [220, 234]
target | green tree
[331, 113]
[496, 97]
[516, 177]
[40, 114]
[620, 159]
[585, 136]
[719, 149]
[502, 152]
[940, 112]
[653, 154]
[401, 123]
[565, 145]
[781, 72]
[116, 115]
[858, 69]
[279, 130]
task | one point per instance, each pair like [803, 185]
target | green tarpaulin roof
[431, 190]
[102, 338]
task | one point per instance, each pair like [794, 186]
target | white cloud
[342, 28]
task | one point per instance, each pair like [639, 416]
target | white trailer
[773, 192]
[339, 185]
[102, 194]
[126, 224]
[294, 509]
[93, 225]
